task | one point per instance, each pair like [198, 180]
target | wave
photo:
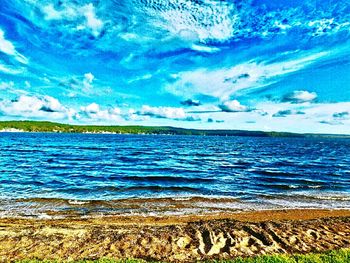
[159, 206]
[147, 189]
[308, 196]
[61, 208]
[77, 202]
[275, 173]
[151, 188]
[333, 197]
[133, 200]
[200, 176]
[176, 179]
[294, 186]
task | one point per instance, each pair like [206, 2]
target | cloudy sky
[214, 64]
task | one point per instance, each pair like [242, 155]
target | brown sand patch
[181, 238]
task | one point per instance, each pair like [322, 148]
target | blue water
[60, 171]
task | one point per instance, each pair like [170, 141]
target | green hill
[45, 126]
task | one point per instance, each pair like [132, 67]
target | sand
[175, 238]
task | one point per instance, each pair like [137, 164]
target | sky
[272, 65]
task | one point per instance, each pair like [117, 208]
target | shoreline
[256, 216]
[176, 238]
[54, 127]
[164, 207]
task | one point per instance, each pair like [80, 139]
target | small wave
[291, 186]
[77, 202]
[42, 208]
[233, 166]
[308, 196]
[326, 197]
[182, 198]
[149, 189]
[207, 199]
[176, 179]
[305, 186]
[140, 153]
[169, 170]
[315, 186]
[44, 216]
[126, 159]
[38, 200]
[276, 173]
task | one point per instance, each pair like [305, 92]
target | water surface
[43, 173]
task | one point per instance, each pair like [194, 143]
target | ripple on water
[255, 172]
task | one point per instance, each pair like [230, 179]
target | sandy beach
[175, 238]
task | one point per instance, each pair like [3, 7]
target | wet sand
[175, 238]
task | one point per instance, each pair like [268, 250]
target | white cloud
[49, 108]
[302, 118]
[166, 113]
[202, 48]
[7, 85]
[92, 22]
[36, 107]
[192, 20]
[93, 112]
[75, 13]
[11, 70]
[51, 104]
[327, 109]
[92, 108]
[324, 113]
[89, 77]
[52, 14]
[305, 96]
[163, 112]
[332, 122]
[87, 82]
[71, 94]
[78, 85]
[300, 96]
[140, 78]
[8, 48]
[285, 113]
[233, 106]
[191, 103]
[326, 26]
[344, 115]
[223, 82]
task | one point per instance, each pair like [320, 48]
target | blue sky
[254, 65]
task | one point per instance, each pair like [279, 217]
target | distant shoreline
[52, 127]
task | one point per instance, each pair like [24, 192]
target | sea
[48, 175]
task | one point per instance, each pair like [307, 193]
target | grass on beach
[339, 256]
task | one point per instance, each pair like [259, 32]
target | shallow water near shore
[48, 174]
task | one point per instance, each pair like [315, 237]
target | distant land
[46, 126]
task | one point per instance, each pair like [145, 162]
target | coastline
[176, 238]
[53, 127]
[167, 207]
